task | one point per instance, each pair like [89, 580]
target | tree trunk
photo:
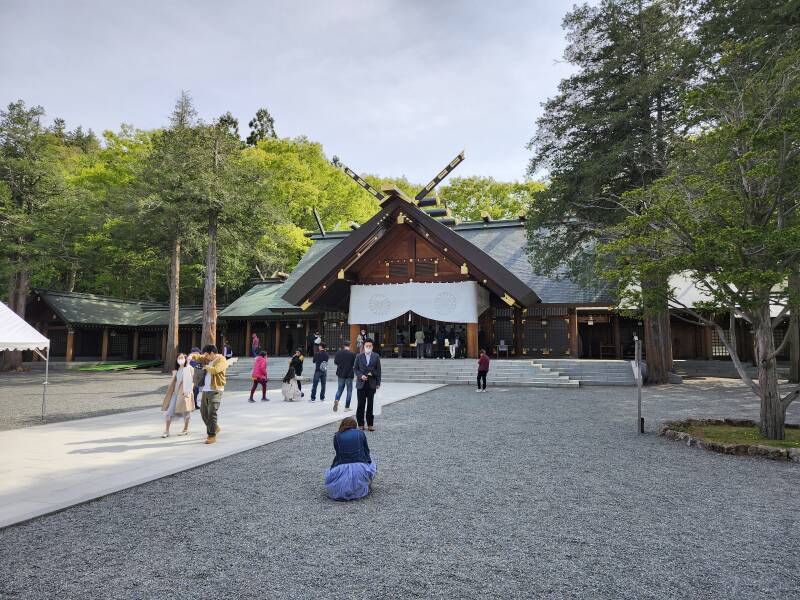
[657, 331]
[209, 335]
[174, 306]
[793, 332]
[17, 295]
[73, 275]
[773, 414]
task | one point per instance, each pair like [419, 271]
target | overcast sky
[391, 87]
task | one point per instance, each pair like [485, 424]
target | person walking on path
[483, 369]
[367, 370]
[352, 470]
[195, 351]
[312, 341]
[296, 363]
[214, 365]
[453, 345]
[179, 400]
[289, 387]
[344, 361]
[320, 372]
[259, 376]
[255, 345]
[419, 340]
[441, 336]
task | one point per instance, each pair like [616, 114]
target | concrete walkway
[51, 467]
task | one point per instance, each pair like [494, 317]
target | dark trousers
[209, 406]
[256, 383]
[366, 396]
[320, 378]
[482, 377]
[441, 350]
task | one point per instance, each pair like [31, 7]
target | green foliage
[470, 197]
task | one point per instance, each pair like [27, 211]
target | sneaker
[370, 428]
[335, 405]
[348, 409]
[312, 400]
[251, 400]
[218, 429]
[211, 439]
[184, 432]
[265, 399]
[478, 390]
[165, 435]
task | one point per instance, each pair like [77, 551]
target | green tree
[469, 198]
[727, 211]
[262, 127]
[30, 177]
[607, 132]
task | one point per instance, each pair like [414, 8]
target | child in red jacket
[483, 369]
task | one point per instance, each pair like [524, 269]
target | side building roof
[91, 309]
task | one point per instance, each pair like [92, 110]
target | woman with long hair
[352, 471]
[259, 376]
[289, 389]
[179, 399]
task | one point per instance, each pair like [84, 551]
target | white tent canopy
[16, 334]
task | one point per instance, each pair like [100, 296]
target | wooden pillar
[164, 344]
[104, 346]
[135, 354]
[472, 340]
[70, 345]
[247, 332]
[708, 346]
[277, 338]
[519, 331]
[194, 338]
[615, 334]
[355, 329]
[573, 333]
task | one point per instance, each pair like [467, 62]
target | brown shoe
[211, 439]
[370, 428]
[361, 427]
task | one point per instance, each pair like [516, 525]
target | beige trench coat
[185, 401]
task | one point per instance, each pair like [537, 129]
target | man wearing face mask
[368, 379]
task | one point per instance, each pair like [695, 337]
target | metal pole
[44, 385]
[638, 358]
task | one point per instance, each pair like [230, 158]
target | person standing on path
[179, 400]
[289, 387]
[320, 372]
[453, 346]
[195, 352]
[483, 369]
[344, 361]
[352, 470]
[259, 376]
[419, 340]
[311, 343]
[441, 336]
[296, 363]
[255, 345]
[367, 370]
[215, 366]
[362, 335]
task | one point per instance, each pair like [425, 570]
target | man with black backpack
[320, 372]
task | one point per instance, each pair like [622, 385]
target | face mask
[367, 350]
[181, 361]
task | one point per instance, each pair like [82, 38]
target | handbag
[199, 377]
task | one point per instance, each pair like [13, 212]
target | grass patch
[737, 434]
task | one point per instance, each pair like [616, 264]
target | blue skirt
[349, 481]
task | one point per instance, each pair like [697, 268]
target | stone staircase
[591, 372]
[458, 371]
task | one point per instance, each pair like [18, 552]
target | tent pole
[44, 386]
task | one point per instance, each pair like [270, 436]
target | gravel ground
[77, 395]
[517, 493]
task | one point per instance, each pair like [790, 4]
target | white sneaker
[478, 390]
[165, 435]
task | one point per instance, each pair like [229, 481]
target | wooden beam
[708, 346]
[615, 335]
[519, 331]
[277, 338]
[573, 333]
[104, 347]
[472, 340]
[135, 353]
[164, 344]
[70, 345]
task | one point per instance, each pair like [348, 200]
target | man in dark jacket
[297, 364]
[344, 361]
[367, 370]
[320, 372]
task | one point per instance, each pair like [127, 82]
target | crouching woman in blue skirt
[352, 470]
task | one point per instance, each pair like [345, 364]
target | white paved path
[51, 467]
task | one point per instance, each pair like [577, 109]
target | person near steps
[353, 469]
[259, 376]
[419, 340]
[214, 365]
[344, 361]
[367, 370]
[320, 372]
[483, 369]
[179, 400]
[297, 364]
[289, 387]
